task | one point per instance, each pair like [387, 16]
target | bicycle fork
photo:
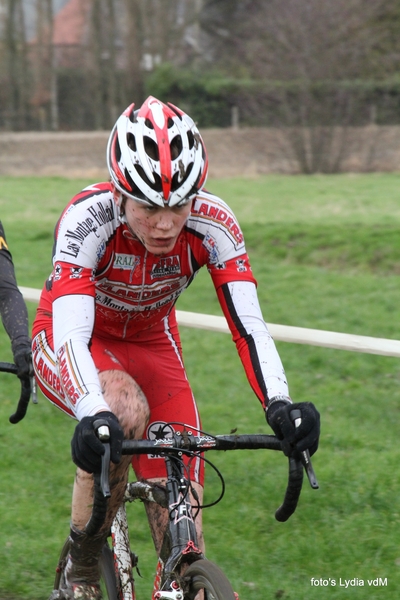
[124, 560]
[180, 539]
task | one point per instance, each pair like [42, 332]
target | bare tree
[134, 39]
[102, 61]
[127, 39]
[17, 71]
[44, 98]
[312, 57]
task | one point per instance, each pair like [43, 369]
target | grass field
[326, 253]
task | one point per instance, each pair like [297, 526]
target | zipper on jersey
[143, 277]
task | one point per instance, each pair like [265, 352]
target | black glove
[87, 449]
[23, 362]
[298, 439]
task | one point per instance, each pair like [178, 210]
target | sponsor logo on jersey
[66, 372]
[126, 261]
[138, 293]
[101, 250]
[211, 246]
[57, 271]
[99, 216]
[126, 304]
[166, 266]
[241, 265]
[102, 214]
[76, 272]
[45, 368]
[219, 215]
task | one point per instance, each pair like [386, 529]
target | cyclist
[14, 314]
[106, 342]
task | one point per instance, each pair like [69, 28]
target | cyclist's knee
[127, 402]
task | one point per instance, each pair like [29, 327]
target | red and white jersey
[105, 283]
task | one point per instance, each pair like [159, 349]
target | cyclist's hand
[23, 362]
[87, 449]
[303, 437]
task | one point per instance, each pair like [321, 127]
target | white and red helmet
[156, 155]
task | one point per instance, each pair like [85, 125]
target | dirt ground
[245, 151]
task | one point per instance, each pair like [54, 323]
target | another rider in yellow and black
[14, 314]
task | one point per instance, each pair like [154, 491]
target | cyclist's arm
[254, 343]
[73, 320]
[82, 234]
[218, 242]
[14, 314]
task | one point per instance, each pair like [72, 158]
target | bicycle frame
[180, 545]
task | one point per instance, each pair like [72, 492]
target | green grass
[325, 251]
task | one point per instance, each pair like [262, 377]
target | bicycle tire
[108, 581]
[205, 575]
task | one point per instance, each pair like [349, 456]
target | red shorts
[153, 359]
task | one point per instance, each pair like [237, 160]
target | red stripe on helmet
[121, 178]
[164, 150]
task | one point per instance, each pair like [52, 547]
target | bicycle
[182, 570]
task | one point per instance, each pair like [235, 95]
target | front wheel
[108, 580]
[205, 575]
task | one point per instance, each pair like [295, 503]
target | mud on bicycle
[183, 571]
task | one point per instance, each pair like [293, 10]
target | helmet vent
[150, 147]
[135, 190]
[149, 124]
[180, 176]
[131, 141]
[132, 115]
[117, 149]
[190, 139]
[176, 147]
[156, 186]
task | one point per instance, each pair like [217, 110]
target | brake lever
[103, 433]
[305, 458]
[34, 390]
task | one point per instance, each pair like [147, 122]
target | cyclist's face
[156, 227]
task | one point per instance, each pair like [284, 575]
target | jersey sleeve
[256, 348]
[13, 309]
[221, 246]
[217, 240]
[73, 319]
[82, 234]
